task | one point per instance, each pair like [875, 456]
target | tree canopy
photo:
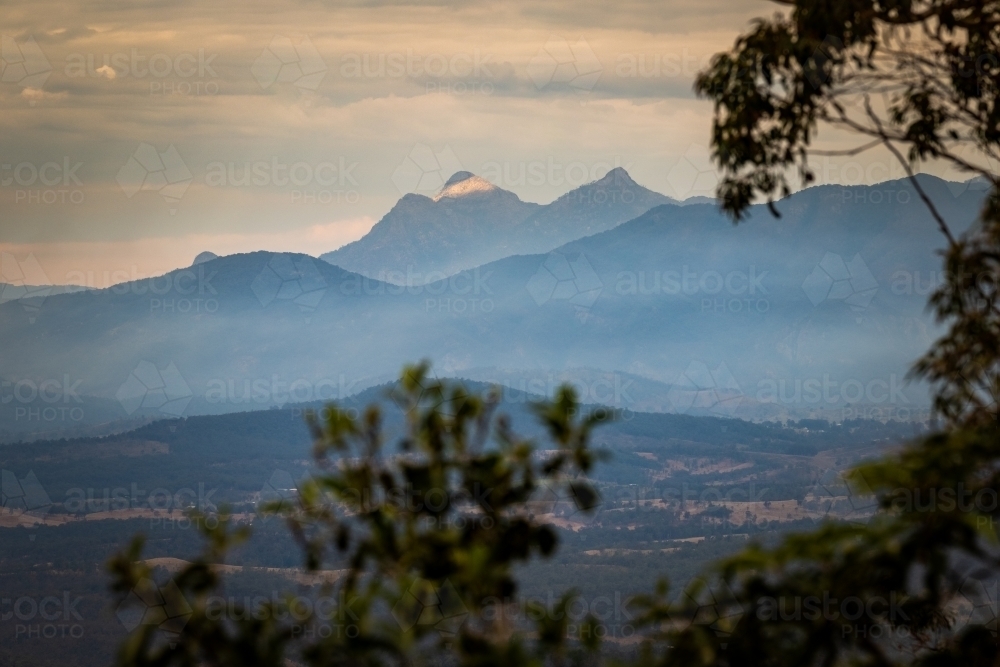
[431, 528]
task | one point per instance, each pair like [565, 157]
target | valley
[676, 490]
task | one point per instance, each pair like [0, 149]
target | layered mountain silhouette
[819, 312]
[471, 222]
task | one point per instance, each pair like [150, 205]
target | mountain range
[819, 312]
[471, 222]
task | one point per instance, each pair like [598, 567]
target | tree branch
[848, 151]
[942, 225]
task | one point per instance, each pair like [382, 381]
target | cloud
[397, 74]
[35, 95]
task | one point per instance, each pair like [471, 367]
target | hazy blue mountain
[835, 291]
[676, 310]
[11, 292]
[472, 222]
[698, 199]
[31, 297]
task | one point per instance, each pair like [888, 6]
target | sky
[138, 134]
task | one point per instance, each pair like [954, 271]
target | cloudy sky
[139, 133]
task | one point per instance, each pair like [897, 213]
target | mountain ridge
[471, 222]
[678, 296]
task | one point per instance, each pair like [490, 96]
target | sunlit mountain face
[217, 219]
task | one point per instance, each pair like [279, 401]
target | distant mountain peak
[204, 257]
[464, 183]
[458, 177]
[617, 176]
[471, 222]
